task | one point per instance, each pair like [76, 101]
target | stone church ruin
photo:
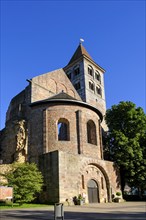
[57, 122]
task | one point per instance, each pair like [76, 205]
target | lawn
[11, 205]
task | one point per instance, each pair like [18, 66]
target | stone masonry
[57, 122]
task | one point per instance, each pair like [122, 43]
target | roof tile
[80, 51]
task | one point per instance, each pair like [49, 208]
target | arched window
[91, 132]
[63, 129]
[77, 85]
[97, 76]
[98, 90]
[91, 85]
[90, 70]
[76, 70]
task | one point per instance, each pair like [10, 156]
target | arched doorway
[93, 191]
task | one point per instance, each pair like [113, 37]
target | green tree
[126, 141]
[26, 181]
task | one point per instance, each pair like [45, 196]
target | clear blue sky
[41, 36]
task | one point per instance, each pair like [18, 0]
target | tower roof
[80, 51]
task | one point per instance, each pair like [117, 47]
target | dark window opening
[76, 71]
[77, 86]
[63, 130]
[97, 76]
[91, 132]
[91, 86]
[90, 71]
[98, 90]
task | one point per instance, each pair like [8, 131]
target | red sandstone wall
[43, 130]
[6, 192]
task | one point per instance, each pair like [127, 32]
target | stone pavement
[108, 211]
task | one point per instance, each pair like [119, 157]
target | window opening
[63, 130]
[91, 85]
[98, 90]
[90, 70]
[97, 76]
[76, 70]
[77, 86]
[91, 132]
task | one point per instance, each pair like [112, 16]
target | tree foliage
[126, 141]
[26, 181]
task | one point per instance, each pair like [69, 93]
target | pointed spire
[80, 51]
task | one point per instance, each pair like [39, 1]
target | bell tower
[87, 78]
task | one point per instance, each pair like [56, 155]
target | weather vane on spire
[81, 40]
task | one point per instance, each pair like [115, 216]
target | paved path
[108, 211]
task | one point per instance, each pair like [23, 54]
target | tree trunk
[139, 192]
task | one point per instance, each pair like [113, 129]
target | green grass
[11, 205]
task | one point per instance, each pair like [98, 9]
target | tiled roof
[65, 99]
[61, 95]
[80, 51]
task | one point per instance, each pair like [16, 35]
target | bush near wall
[134, 198]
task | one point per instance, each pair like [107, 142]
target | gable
[50, 84]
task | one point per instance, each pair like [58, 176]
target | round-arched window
[91, 132]
[63, 129]
[91, 85]
[98, 90]
[90, 70]
[97, 76]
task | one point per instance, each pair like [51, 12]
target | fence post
[58, 211]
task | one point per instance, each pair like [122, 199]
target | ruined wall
[3, 169]
[14, 142]
[19, 106]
